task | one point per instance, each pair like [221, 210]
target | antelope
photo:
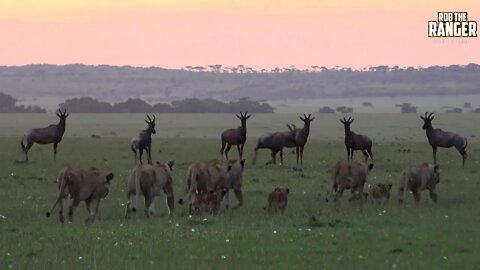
[301, 136]
[51, 134]
[276, 142]
[235, 136]
[439, 138]
[356, 141]
[143, 140]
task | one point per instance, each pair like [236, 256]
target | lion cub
[208, 201]
[278, 199]
[380, 192]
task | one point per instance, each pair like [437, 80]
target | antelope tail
[23, 145]
[466, 144]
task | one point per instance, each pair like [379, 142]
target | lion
[381, 191]
[349, 174]
[277, 200]
[419, 178]
[208, 202]
[151, 181]
[79, 185]
[205, 177]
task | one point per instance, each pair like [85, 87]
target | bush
[344, 109]
[367, 104]
[454, 110]
[406, 108]
[326, 109]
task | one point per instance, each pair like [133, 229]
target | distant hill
[116, 84]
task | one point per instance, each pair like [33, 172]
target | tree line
[8, 104]
[188, 105]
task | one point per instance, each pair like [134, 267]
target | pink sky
[262, 37]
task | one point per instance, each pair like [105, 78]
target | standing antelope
[235, 136]
[356, 141]
[301, 136]
[439, 138]
[276, 142]
[51, 134]
[143, 140]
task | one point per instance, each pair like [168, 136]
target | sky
[254, 33]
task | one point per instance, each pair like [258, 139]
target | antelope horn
[149, 119]
[309, 116]
[64, 111]
[430, 115]
[153, 117]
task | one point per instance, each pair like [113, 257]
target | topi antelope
[143, 141]
[439, 138]
[51, 134]
[356, 141]
[276, 142]
[301, 136]
[235, 136]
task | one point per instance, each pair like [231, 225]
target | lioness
[205, 177]
[89, 185]
[349, 174]
[151, 181]
[381, 191]
[417, 179]
[278, 199]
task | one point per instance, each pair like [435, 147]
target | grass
[312, 234]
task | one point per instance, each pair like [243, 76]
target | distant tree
[454, 110]
[6, 101]
[344, 109]
[132, 105]
[162, 108]
[467, 105]
[477, 110]
[367, 104]
[326, 109]
[406, 108]
[8, 105]
[86, 105]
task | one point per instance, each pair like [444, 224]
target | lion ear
[109, 177]
[276, 189]
[229, 167]
[390, 186]
[288, 190]
[379, 185]
[171, 163]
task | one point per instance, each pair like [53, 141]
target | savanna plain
[311, 234]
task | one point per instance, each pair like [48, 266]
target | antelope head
[62, 115]
[427, 120]
[346, 122]
[151, 123]
[243, 117]
[307, 119]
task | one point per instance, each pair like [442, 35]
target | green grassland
[311, 234]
